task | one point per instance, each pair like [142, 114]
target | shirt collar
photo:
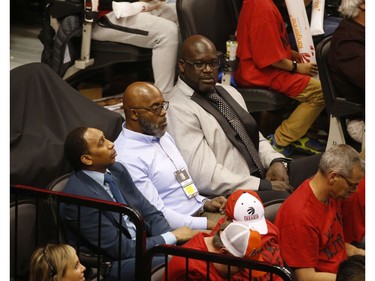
[96, 176]
[185, 88]
[129, 134]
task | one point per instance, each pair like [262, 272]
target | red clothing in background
[262, 41]
[353, 215]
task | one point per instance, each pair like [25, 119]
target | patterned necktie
[120, 199]
[233, 120]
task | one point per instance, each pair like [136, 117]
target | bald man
[155, 164]
[219, 159]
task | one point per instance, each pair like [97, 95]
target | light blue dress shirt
[151, 163]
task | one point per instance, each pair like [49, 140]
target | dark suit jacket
[81, 184]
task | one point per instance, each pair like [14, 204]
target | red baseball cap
[245, 206]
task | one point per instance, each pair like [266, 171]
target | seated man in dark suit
[93, 158]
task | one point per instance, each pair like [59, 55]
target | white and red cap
[246, 207]
[243, 242]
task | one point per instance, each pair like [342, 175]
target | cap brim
[260, 226]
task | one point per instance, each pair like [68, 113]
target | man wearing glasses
[310, 220]
[218, 138]
[155, 164]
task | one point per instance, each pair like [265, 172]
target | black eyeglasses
[200, 65]
[52, 271]
[156, 109]
[352, 185]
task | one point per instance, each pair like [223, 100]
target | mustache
[207, 76]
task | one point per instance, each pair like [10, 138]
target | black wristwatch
[294, 66]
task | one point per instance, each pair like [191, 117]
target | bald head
[137, 93]
[198, 54]
[144, 109]
[196, 45]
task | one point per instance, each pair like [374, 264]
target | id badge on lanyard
[186, 183]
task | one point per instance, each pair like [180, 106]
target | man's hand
[210, 224]
[277, 172]
[307, 68]
[152, 6]
[278, 175]
[281, 186]
[352, 250]
[216, 204]
[296, 56]
[184, 234]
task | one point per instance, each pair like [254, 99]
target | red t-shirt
[262, 41]
[353, 215]
[311, 233]
[270, 248]
[197, 268]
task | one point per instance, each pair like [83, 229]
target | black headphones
[52, 271]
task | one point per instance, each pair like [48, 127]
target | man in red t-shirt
[266, 60]
[245, 206]
[353, 216]
[310, 220]
[233, 238]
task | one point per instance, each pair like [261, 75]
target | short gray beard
[151, 128]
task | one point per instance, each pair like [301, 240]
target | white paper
[301, 30]
[317, 17]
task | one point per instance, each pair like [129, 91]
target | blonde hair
[51, 262]
[350, 8]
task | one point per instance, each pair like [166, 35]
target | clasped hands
[278, 175]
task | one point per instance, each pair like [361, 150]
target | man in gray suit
[219, 157]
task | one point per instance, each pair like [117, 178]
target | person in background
[233, 238]
[310, 220]
[245, 206]
[58, 262]
[354, 214]
[97, 175]
[330, 21]
[352, 269]
[223, 155]
[347, 58]
[266, 60]
[155, 164]
[147, 24]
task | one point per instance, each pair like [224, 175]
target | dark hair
[75, 146]
[218, 244]
[352, 269]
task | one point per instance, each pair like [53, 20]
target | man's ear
[223, 251]
[133, 114]
[332, 177]
[181, 66]
[86, 159]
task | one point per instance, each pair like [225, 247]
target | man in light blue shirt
[155, 164]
